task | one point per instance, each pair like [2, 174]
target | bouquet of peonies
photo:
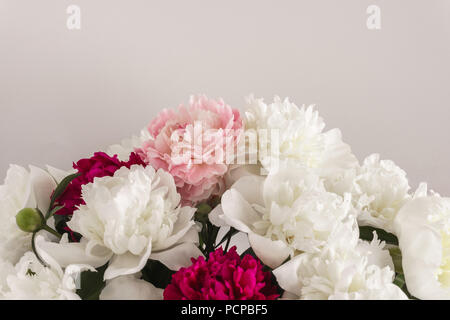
[208, 203]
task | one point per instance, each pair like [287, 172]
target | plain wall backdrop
[67, 93]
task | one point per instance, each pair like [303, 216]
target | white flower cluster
[350, 270]
[327, 226]
[127, 219]
[133, 216]
[300, 139]
[22, 188]
[308, 210]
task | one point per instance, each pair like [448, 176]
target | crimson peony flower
[222, 277]
[100, 165]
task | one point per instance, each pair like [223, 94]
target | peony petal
[130, 288]
[127, 263]
[292, 174]
[73, 272]
[240, 240]
[182, 226]
[42, 187]
[215, 217]
[271, 253]
[287, 276]
[65, 253]
[185, 216]
[59, 174]
[178, 256]
[338, 155]
[238, 212]
[190, 236]
[251, 188]
[421, 245]
[236, 172]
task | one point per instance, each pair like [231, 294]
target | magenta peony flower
[193, 144]
[100, 165]
[222, 277]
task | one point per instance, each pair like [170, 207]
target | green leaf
[55, 209]
[157, 274]
[62, 186]
[92, 284]
[60, 223]
[366, 233]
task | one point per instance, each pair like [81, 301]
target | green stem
[52, 231]
[33, 247]
[214, 236]
[229, 234]
[228, 242]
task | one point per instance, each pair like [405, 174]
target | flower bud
[202, 212]
[29, 220]
[203, 208]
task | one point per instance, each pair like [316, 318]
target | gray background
[65, 94]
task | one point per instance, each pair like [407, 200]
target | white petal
[421, 245]
[73, 271]
[178, 256]
[292, 175]
[59, 174]
[127, 263]
[251, 188]
[65, 253]
[236, 172]
[271, 253]
[130, 288]
[338, 155]
[238, 212]
[287, 276]
[182, 226]
[42, 186]
[215, 217]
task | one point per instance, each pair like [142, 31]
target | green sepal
[59, 190]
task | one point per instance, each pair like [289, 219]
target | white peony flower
[301, 139]
[127, 146]
[22, 188]
[346, 269]
[287, 213]
[423, 230]
[30, 280]
[128, 218]
[130, 287]
[379, 190]
[6, 268]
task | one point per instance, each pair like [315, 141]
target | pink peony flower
[100, 165]
[222, 277]
[193, 144]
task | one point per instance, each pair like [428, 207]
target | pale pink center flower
[195, 144]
